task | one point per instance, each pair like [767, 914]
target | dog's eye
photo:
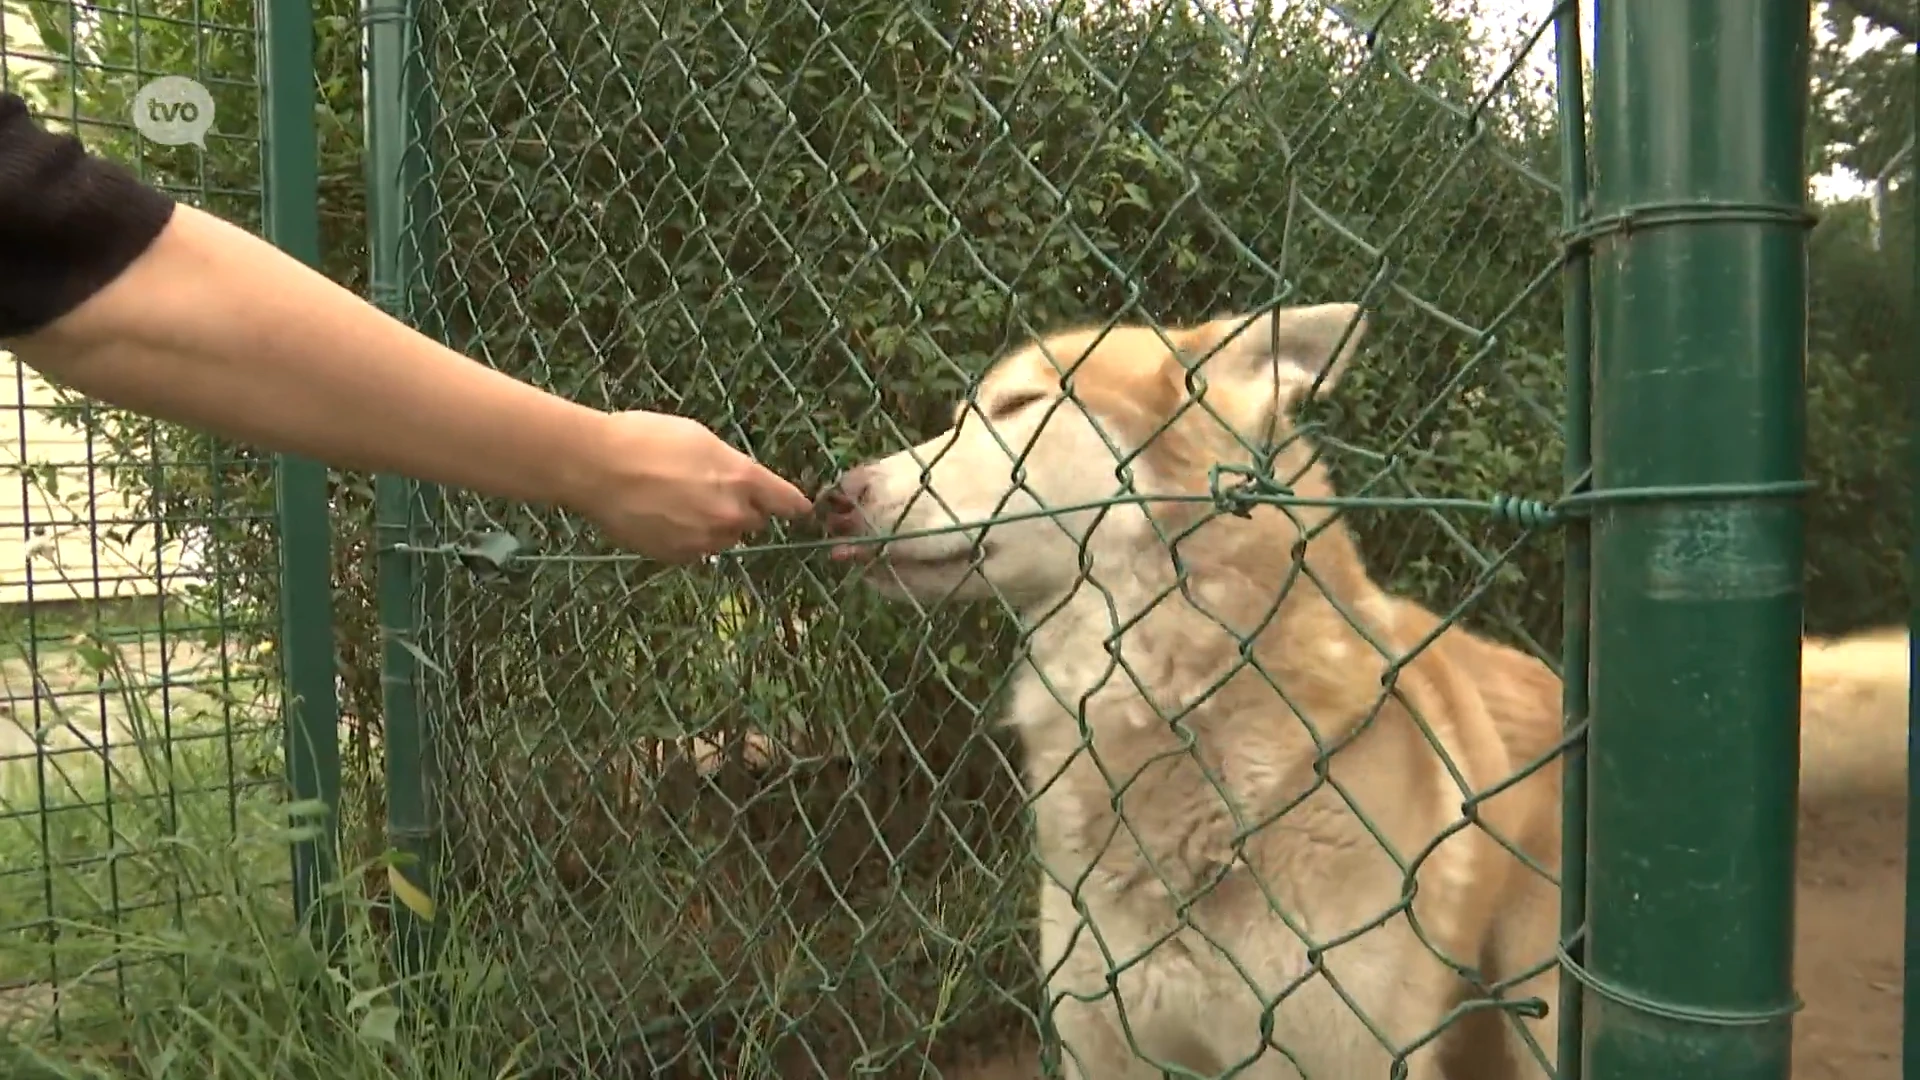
[1007, 406]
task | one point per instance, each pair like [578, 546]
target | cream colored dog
[1255, 856]
[1208, 735]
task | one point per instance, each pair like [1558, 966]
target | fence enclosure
[813, 228]
[746, 819]
[148, 738]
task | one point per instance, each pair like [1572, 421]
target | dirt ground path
[1852, 880]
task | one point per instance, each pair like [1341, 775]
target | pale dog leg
[1095, 1043]
[1389, 973]
[1403, 994]
[1524, 939]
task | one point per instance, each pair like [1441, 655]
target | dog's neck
[1115, 596]
[1143, 625]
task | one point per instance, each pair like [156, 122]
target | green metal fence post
[1699, 282]
[398, 215]
[1910, 1001]
[1578, 331]
[306, 563]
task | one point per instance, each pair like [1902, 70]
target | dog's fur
[1206, 723]
[1207, 735]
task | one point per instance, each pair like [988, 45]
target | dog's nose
[835, 501]
[839, 505]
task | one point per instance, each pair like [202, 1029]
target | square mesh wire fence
[140, 734]
[756, 818]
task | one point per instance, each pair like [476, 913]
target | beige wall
[66, 533]
[21, 43]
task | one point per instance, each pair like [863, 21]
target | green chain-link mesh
[746, 820]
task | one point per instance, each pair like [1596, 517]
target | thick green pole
[300, 486]
[1910, 999]
[1699, 285]
[396, 189]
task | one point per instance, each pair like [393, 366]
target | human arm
[208, 325]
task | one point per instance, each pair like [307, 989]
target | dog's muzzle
[839, 510]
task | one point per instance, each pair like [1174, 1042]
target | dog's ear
[1258, 367]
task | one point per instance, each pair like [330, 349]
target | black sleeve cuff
[69, 222]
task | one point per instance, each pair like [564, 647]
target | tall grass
[146, 923]
[147, 927]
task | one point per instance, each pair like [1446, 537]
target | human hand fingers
[766, 492]
[744, 520]
[776, 496]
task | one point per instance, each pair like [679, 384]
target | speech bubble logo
[173, 110]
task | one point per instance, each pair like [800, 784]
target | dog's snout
[835, 500]
[839, 505]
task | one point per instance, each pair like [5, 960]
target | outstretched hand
[669, 488]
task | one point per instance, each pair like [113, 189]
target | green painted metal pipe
[1577, 329]
[396, 182]
[1699, 282]
[1910, 999]
[300, 486]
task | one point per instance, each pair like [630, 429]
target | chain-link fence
[756, 819]
[142, 765]
[1186, 699]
